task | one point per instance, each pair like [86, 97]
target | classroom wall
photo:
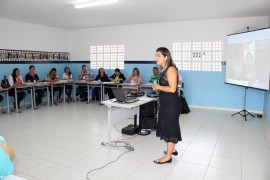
[201, 88]
[25, 36]
[141, 40]
[267, 106]
[266, 109]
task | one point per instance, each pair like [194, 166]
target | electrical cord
[106, 164]
[116, 128]
[117, 143]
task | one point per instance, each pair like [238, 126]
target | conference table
[88, 84]
[75, 83]
[103, 85]
[26, 86]
[134, 86]
[120, 111]
[59, 83]
[41, 85]
[5, 91]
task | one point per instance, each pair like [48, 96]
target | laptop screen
[119, 94]
[121, 97]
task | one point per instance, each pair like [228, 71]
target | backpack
[5, 83]
[84, 95]
[185, 108]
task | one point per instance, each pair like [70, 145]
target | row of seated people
[15, 80]
[116, 77]
[102, 76]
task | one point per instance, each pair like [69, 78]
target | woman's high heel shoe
[175, 153]
[158, 162]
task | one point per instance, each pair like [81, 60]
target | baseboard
[192, 106]
[224, 109]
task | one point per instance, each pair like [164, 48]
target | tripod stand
[244, 111]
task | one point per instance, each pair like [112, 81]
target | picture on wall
[26, 55]
[21, 55]
[55, 56]
[3, 55]
[66, 56]
[12, 55]
[44, 55]
[36, 56]
[50, 56]
[62, 56]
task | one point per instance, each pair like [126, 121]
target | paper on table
[143, 98]
[62, 81]
[109, 82]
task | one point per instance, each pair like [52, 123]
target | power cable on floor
[105, 164]
[117, 143]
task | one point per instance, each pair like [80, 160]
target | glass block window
[198, 56]
[107, 56]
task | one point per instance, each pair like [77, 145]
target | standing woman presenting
[168, 127]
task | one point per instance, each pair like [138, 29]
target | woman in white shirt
[15, 80]
[68, 76]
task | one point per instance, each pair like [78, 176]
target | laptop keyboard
[131, 99]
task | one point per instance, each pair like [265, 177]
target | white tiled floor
[64, 143]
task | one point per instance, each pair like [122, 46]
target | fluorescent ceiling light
[91, 3]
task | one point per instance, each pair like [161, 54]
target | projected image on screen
[248, 59]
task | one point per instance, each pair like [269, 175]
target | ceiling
[61, 13]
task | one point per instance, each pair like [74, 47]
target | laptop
[121, 97]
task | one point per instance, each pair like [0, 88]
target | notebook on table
[121, 97]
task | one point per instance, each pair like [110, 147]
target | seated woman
[134, 78]
[6, 157]
[102, 76]
[15, 80]
[117, 77]
[68, 88]
[52, 77]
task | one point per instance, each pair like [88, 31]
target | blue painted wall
[266, 110]
[201, 88]
[209, 89]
